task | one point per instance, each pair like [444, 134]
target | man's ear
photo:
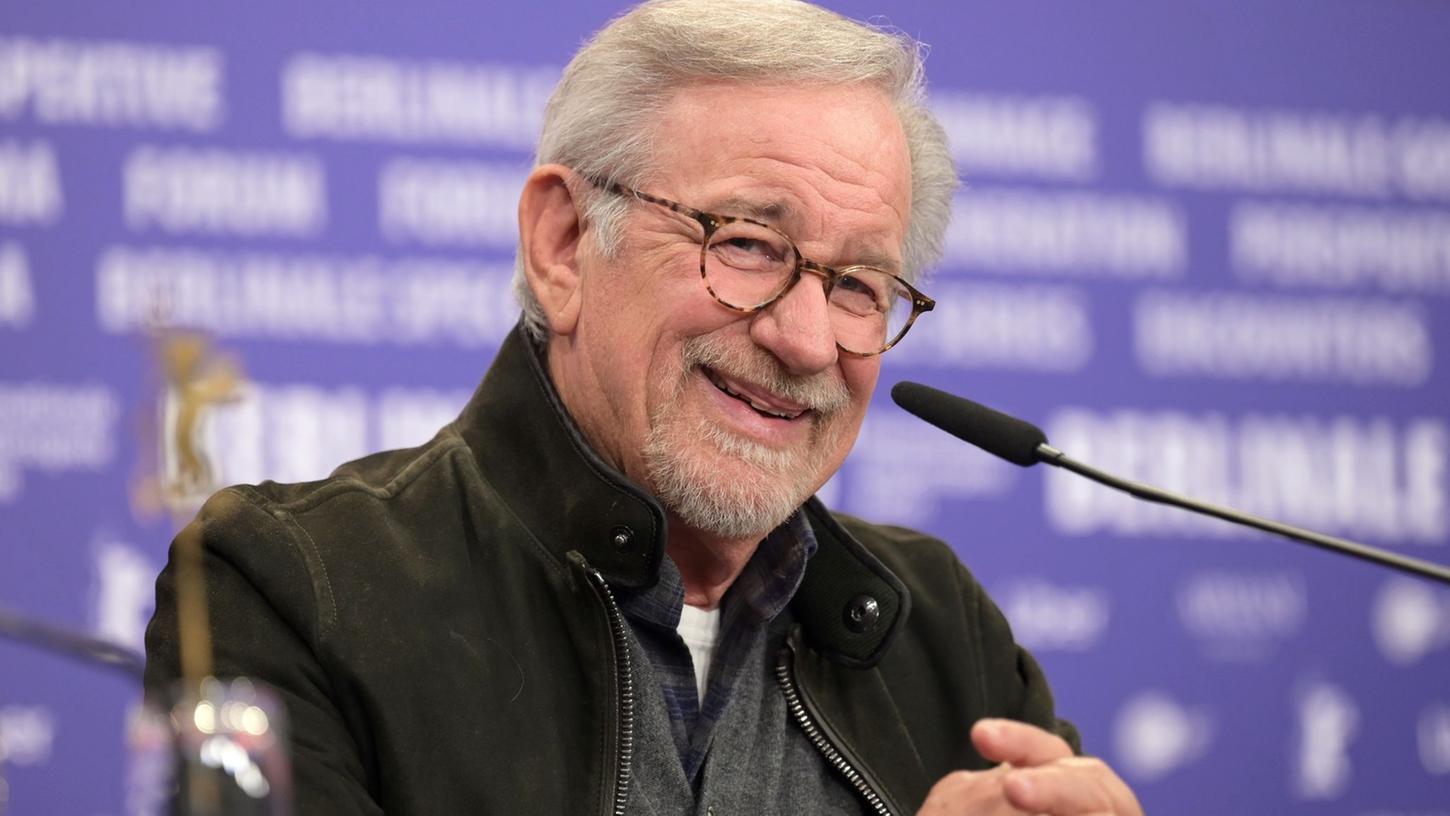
[549, 230]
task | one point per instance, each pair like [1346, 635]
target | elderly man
[606, 588]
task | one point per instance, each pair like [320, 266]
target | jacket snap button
[621, 537]
[862, 613]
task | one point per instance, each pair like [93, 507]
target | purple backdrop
[1207, 245]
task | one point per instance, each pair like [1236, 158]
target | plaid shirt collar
[759, 595]
[761, 591]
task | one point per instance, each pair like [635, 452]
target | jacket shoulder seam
[327, 604]
[338, 485]
[286, 513]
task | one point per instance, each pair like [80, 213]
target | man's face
[730, 419]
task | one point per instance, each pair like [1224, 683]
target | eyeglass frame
[711, 222]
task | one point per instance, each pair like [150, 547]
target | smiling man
[709, 369]
[606, 588]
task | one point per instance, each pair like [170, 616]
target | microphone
[77, 646]
[997, 433]
[1022, 443]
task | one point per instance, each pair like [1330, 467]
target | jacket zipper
[799, 710]
[624, 680]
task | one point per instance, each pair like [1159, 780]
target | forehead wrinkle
[855, 245]
[787, 205]
[847, 201]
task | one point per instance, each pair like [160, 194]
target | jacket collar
[531, 452]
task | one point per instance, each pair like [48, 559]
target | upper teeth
[764, 409]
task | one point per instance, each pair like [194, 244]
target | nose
[797, 328]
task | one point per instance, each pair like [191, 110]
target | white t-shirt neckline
[700, 630]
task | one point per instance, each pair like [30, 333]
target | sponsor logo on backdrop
[1396, 250]
[1242, 616]
[297, 433]
[901, 472]
[1072, 233]
[214, 428]
[1002, 326]
[54, 428]
[109, 83]
[17, 295]
[1154, 735]
[1327, 723]
[30, 188]
[1433, 732]
[450, 203]
[1282, 339]
[1215, 147]
[122, 592]
[1370, 477]
[355, 97]
[27, 734]
[1049, 617]
[1048, 137]
[1410, 620]
[290, 433]
[306, 297]
[180, 190]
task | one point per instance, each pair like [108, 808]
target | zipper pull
[580, 565]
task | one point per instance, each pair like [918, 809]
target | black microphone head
[997, 433]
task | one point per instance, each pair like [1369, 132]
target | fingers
[1017, 743]
[1081, 786]
[1038, 774]
[978, 793]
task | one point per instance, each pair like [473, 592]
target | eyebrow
[878, 261]
[771, 212]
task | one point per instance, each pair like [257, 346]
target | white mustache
[821, 392]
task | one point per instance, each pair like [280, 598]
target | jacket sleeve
[1009, 673]
[265, 624]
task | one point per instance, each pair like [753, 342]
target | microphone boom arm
[1424, 569]
[57, 640]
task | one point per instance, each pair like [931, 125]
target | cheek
[861, 375]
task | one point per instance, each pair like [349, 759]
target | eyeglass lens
[748, 265]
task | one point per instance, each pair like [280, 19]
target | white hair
[599, 120]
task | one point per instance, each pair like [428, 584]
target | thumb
[1017, 743]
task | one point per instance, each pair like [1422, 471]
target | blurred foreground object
[221, 750]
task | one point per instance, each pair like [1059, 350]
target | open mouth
[756, 403]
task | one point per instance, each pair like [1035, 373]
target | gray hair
[598, 120]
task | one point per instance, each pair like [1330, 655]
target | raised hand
[1038, 774]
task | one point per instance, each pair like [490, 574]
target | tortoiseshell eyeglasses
[747, 265]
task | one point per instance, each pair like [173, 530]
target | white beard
[683, 457]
